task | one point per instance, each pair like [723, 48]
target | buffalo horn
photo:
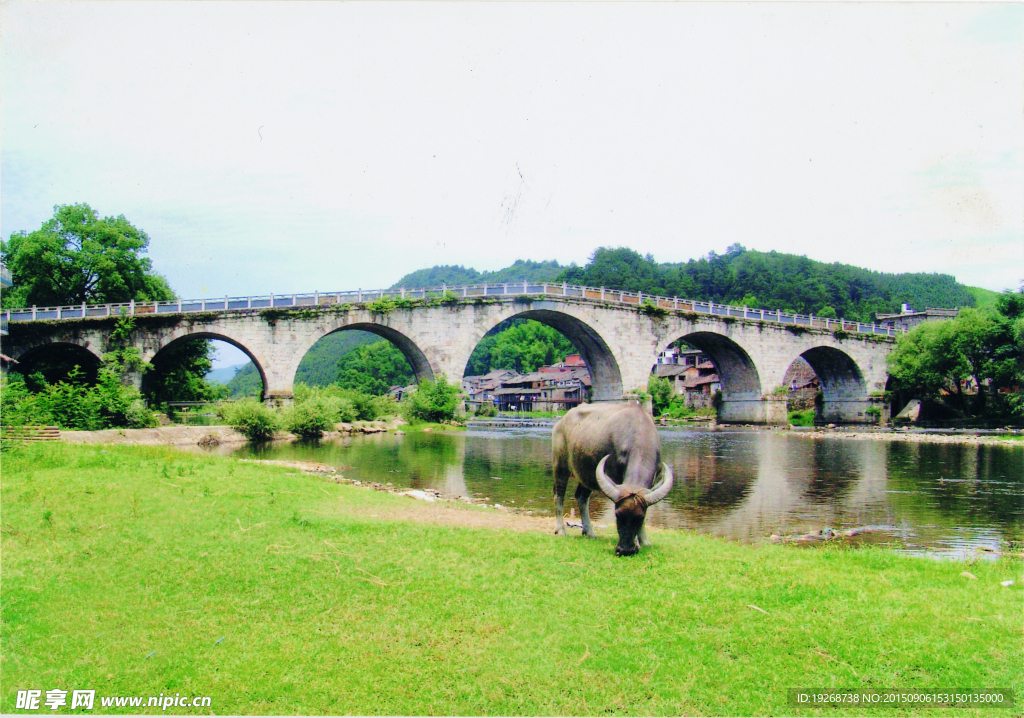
[660, 491]
[609, 487]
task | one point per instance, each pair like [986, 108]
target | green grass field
[124, 566]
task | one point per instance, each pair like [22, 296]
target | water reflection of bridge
[798, 483]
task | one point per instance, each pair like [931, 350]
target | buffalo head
[631, 504]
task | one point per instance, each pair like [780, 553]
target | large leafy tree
[76, 257]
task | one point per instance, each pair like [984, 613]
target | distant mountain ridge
[521, 270]
[224, 374]
[768, 280]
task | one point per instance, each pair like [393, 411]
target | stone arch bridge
[618, 334]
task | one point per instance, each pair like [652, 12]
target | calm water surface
[739, 484]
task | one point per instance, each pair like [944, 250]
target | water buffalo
[615, 449]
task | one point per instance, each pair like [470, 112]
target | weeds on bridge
[651, 309]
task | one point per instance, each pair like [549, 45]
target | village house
[547, 389]
[693, 376]
[556, 387]
[480, 389]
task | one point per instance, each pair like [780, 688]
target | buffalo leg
[562, 473]
[583, 499]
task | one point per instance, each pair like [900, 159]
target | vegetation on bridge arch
[74, 399]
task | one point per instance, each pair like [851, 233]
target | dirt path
[160, 436]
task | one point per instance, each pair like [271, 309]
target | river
[736, 483]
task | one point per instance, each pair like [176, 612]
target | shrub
[73, 404]
[347, 404]
[19, 406]
[313, 417]
[346, 410]
[432, 401]
[366, 407]
[487, 409]
[384, 305]
[253, 419]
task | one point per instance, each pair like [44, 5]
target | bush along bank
[318, 410]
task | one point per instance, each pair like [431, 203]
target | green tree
[926, 361]
[432, 401]
[77, 257]
[618, 268]
[374, 369]
[983, 347]
[661, 393]
[522, 345]
[771, 280]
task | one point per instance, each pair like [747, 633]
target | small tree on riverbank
[433, 401]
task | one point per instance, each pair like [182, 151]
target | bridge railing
[556, 289]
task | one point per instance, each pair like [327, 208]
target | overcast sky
[292, 147]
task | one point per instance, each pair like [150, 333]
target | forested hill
[453, 275]
[772, 280]
[769, 280]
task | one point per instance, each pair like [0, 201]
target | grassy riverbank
[124, 566]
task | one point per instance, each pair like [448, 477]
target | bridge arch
[840, 376]
[55, 358]
[605, 374]
[739, 375]
[413, 354]
[187, 335]
[843, 383]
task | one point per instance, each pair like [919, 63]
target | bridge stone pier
[619, 343]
